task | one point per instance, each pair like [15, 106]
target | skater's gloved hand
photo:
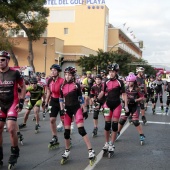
[62, 112]
[126, 109]
[43, 103]
[85, 115]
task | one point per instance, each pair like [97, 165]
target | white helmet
[139, 69]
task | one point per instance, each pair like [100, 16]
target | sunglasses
[3, 59]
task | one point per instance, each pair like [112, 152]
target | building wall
[83, 24]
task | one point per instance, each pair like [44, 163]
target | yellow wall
[89, 24]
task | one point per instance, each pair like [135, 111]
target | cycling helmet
[131, 78]
[152, 76]
[131, 73]
[70, 70]
[38, 74]
[56, 66]
[33, 80]
[5, 54]
[103, 71]
[114, 67]
[98, 76]
[88, 72]
[139, 69]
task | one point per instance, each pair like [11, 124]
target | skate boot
[60, 127]
[13, 158]
[65, 156]
[92, 157]
[22, 125]
[34, 119]
[144, 120]
[153, 111]
[94, 133]
[142, 138]
[37, 126]
[54, 143]
[20, 137]
[166, 111]
[1, 156]
[44, 114]
[111, 150]
[72, 127]
[105, 149]
[162, 109]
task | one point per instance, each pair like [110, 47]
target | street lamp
[45, 56]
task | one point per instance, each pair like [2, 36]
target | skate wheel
[63, 161]
[92, 161]
[36, 131]
[105, 153]
[141, 142]
[10, 166]
[110, 155]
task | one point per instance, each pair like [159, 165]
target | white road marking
[162, 123]
[100, 155]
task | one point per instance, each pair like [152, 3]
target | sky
[150, 22]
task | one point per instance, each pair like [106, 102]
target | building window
[65, 30]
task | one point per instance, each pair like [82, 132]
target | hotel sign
[74, 2]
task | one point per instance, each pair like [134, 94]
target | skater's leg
[36, 112]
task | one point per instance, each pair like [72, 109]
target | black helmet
[5, 54]
[152, 76]
[103, 71]
[70, 70]
[56, 66]
[114, 67]
[38, 74]
[33, 80]
[98, 76]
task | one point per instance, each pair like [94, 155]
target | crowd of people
[72, 97]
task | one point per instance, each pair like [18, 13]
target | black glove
[85, 115]
[62, 112]
[21, 103]
[43, 103]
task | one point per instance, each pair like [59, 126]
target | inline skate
[105, 149]
[44, 114]
[37, 126]
[54, 143]
[144, 120]
[65, 156]
[153, 111]
[60, 127]
[162, 109]
[142, 138]
[22, 125]
[92, 157]
[166, 111]
[20, 138]
[94, 133]
[34, 119]
[13, 157]
[111, 150]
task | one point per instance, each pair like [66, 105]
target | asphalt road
[129, 154]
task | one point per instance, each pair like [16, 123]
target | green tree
[125, 61]
[30, 16]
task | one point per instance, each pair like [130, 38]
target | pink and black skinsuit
[132, 106]
[113, 88]
[9, 82]
[72, 95]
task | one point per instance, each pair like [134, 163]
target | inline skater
[159, 91]
[141, 84]
[167, 90]
[35, 101]
[10, 105]
[133, 96]
[53, 93]
[113, 88]
[74, 103]
[95, 90]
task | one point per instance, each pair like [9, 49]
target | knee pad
[115, 126]
[136, 123]
[82, 131]
[107, 126]
[95, 114]
[122, 122]
[67, 134]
